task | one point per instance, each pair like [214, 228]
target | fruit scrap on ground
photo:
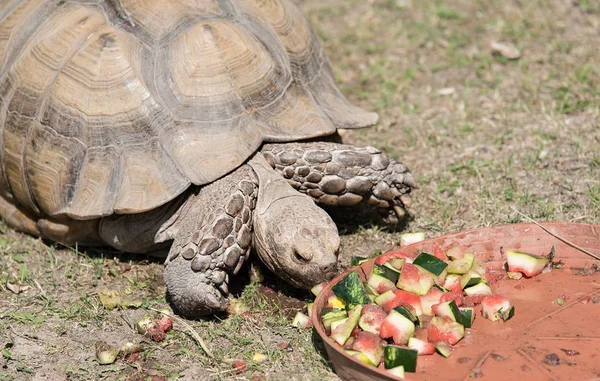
[155, 325]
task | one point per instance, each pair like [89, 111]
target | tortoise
[195, 127]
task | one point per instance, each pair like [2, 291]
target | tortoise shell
[119, 106]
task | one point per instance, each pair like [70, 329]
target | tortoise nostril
[301, 257]
[328, 268]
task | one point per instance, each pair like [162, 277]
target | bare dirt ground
[483, 135]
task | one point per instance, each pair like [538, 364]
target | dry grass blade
[191, 330]
[557, 236]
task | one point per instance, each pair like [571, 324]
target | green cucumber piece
[341, 332]
[394, 356]
[408, 314]
[450, 310]
[461, 265]
[478, 289]
[351, 290]
[430, 263]
[443, 348]
[468, 316]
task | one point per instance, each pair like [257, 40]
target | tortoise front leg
[344, 175]
[212, 236]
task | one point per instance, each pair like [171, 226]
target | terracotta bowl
[545, 340]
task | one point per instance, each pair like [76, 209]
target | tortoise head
[294, 237]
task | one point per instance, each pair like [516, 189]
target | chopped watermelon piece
[528, 264]
[423, 347]
[462, 265]
[370, 345]
[468, 316]
[478, 289]
[411, 299]
[497, 307]
[394, 356]
[316, 290]
[474, 300]
[415, 279]
[410, 238]
[351, 290]
[371, 318]
[397, 371]
[396, 263]
[449, 310]
[432, 298]
[446, 330]
[383, 279]
[341, 330]
[438, 252]
[359, 356]
[394, 254]
[443, 348]
[398, 327]
[301, 320]
[456, 296]
[430, 263]
[452, 283]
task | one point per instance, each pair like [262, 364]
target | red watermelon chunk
[456, 296]
[415, 279]
[439, 252]
[394, 254]
[446, 330]
[497, 307]
[414, 301]
[423, 347]
[370, 345]
[473, 300]
[398, 327]
[432, 298]
[371, 318]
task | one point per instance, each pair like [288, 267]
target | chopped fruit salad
[415, 305]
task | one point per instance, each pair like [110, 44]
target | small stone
[570, 352]
[506, 50]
